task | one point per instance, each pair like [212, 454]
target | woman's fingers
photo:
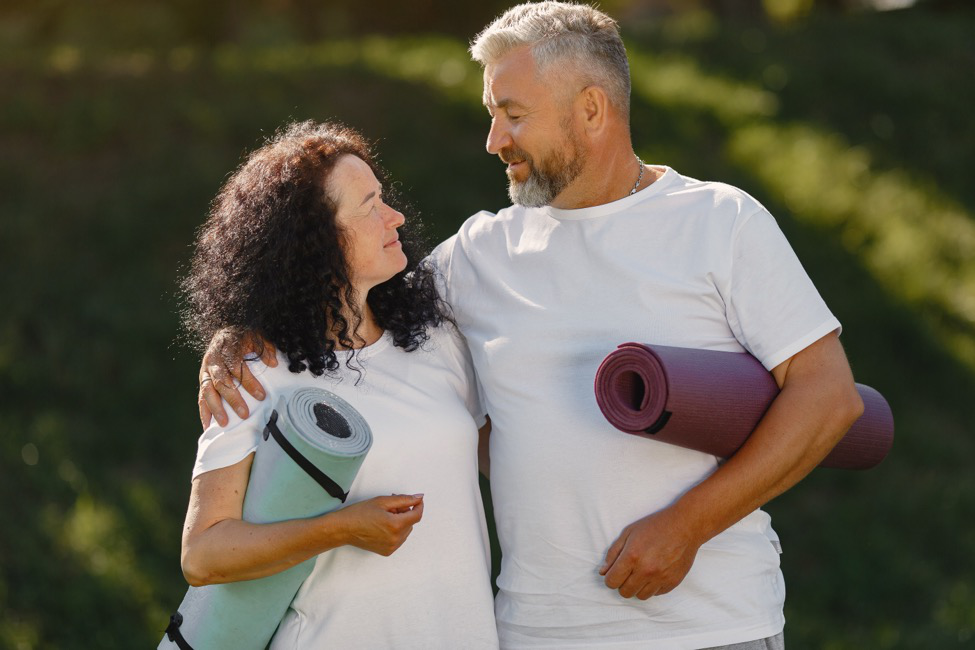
[400, 503]
[382, 524]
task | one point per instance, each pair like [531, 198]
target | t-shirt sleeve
[472, 388]
[775, 310]
[439, 261]
[224, 446]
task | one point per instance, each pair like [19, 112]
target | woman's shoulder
[223, 445]
[279, 378]
[444, 340]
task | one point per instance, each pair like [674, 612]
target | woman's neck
[366, 333]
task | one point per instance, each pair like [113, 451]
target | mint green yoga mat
[312, 448]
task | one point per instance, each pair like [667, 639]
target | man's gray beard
[543, 185]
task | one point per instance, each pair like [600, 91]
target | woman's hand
[381, 524]
[218, 546]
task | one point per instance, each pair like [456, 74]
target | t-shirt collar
[668, 178]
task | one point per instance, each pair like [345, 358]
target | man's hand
[224, 362]
[650, 557]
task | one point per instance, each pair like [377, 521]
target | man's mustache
[510, 155]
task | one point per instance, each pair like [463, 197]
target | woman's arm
[218, 546]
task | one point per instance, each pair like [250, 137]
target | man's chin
[527, 196]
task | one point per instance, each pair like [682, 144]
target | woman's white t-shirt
[434, 591]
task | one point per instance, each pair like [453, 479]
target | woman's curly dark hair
[269, 258]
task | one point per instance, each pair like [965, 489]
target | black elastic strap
[174, 634]
[659, 424]
[330, 486]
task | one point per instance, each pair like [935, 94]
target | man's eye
[514, 118]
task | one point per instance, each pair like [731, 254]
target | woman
[301, 248]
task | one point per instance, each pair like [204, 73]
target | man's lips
[395, 242]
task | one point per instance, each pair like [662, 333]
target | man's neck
[606, 178]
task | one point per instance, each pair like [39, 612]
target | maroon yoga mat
[711, 401]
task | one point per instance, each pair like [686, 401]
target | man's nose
[498, 137]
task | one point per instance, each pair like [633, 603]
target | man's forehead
[510, 81]
[503, 101]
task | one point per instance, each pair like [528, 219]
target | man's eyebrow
[505, 103]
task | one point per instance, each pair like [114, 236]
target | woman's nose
[394, 218]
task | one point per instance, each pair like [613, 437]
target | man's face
[531, 130]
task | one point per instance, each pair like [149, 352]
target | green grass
[855, 132]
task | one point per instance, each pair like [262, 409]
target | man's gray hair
[560, 32]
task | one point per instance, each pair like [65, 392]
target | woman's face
[372, 248]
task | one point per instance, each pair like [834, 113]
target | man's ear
[592, 105]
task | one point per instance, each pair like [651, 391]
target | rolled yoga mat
[711, 401]
[312, 448]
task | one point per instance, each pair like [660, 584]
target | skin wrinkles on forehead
[505, 103]
[340, 193]
[557, 93]
[504, 63]
[568, 82]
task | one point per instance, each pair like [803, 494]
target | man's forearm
[806, 420]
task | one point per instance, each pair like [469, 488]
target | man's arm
[817, 404]
[223, 363]
[484, 449]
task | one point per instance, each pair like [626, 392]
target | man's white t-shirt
[542, 296]
[435, 590]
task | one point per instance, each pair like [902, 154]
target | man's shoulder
[723, 197]
[718, 193]
[477, 231]
[485, 222]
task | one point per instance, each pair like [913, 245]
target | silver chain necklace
[639, 178]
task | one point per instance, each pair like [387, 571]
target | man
[611, 540]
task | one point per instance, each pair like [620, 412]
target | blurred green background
[120, 119]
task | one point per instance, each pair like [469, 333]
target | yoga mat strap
[659, 424]
[173, 633]
[330, 486]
